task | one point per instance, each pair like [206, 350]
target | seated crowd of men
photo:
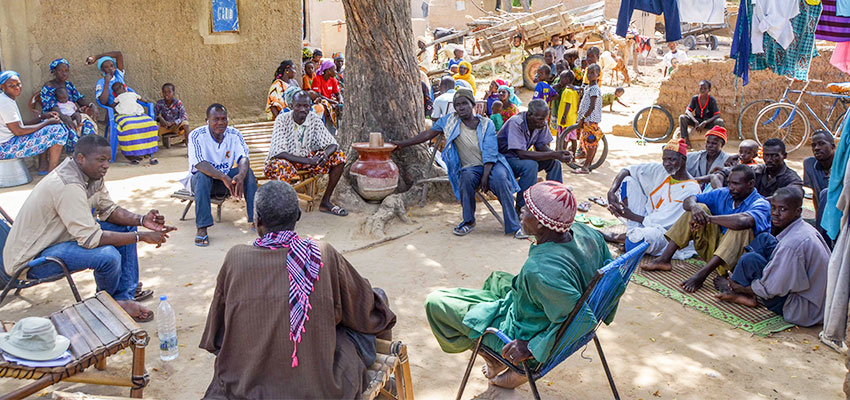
[744, 220]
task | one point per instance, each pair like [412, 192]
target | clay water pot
[375, 174]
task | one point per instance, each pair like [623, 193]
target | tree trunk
[383, 94]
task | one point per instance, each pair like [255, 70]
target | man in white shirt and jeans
[218, 165]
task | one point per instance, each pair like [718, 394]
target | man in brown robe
[249, 322]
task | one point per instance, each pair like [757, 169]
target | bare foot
[722, 284]
[656, 265]
[694, 283]
[493, 367]
[614, 237]
[135, 309]
[741, 299]
[509, 380]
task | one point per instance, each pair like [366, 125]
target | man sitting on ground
[473, 160]
[788, 272]
[701, 163]
[524, 131]
[290, 316]
[531, 306]
[720, 222]
[649, 198]
[816, 173]
[218, 166]
[58, 220]
[771, 176]
[702, 113]
[301, 142]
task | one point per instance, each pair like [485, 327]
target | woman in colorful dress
[510, 102]
[284, 78]
[45, 137]
[138, 135]
[61, 69]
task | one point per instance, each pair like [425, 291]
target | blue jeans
[116, 269]
[500, 185]
[752, 263]
[526, 171]
[205, 187]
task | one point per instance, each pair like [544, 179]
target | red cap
[718, 131]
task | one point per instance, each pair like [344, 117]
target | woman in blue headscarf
[61, 69]
[111, 67]
[509, 100]
[43, 137]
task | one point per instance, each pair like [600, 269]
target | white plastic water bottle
[166, 324]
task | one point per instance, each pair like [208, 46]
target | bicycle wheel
[653, 123]
[748, 115]
[836, 125]
[783, 121]
[598, 159]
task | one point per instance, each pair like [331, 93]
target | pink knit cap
[553, 204]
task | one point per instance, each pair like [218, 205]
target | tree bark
[383, 94]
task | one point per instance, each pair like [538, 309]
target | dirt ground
[656, 347]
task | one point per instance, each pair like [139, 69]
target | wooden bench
[258, 137]
[184, 195]
[97, 328]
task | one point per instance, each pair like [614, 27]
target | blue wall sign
[225, 16]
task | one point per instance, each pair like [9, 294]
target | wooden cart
[493, 34]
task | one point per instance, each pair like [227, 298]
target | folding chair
[15, 281]
[601, 296]
[112, 127]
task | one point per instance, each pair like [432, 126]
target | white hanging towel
[773, 17]
[702, 11]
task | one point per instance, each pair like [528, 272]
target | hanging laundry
[741, 44]
[842, 8]
[841, 57]
[773, 17]
[670, 9]
[830, 26]
[702, 11]
[644, 23]
[796, 60]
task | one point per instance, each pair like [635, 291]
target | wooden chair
[601, 296]
[258, 137]
[391, 361]
[97, 328]
[185, 195]
[18, 280]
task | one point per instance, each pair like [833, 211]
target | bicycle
[788, 121]
[653, 124]
[598, 159]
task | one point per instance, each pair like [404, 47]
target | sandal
[597, 222]
[581, 171]
[42, 173]
[202, 241]
[149, 318]
[582, 219]
[336, 210]
[463, 229]
[583, 206]
[154, 161]
[599, 200]
[143, 294]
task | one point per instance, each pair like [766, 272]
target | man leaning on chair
[70, 215]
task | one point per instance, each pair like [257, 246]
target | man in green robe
[531, 306]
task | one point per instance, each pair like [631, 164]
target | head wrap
[465, 93]
[306, 53]
[462, 84]
[501, 82]
[337, 55]
[511, 96]
[289, 94]
[102, 60]
[552, 204]
[718, 131]
[467, 77]
[677, 145]
[5, 75]
[58, 62]
[326, 64]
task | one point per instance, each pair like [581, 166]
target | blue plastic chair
[601, 296]
[111, 133]
[15, 281]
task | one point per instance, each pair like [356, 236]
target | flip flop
[582, 219]
[597, 222]
[583, 206]
[143, 294]
[204, 241]
[336, 210]
[148, 319]
[599, 200]
[154, 161]
[581, 171]
[42, 173]
[463, 229]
